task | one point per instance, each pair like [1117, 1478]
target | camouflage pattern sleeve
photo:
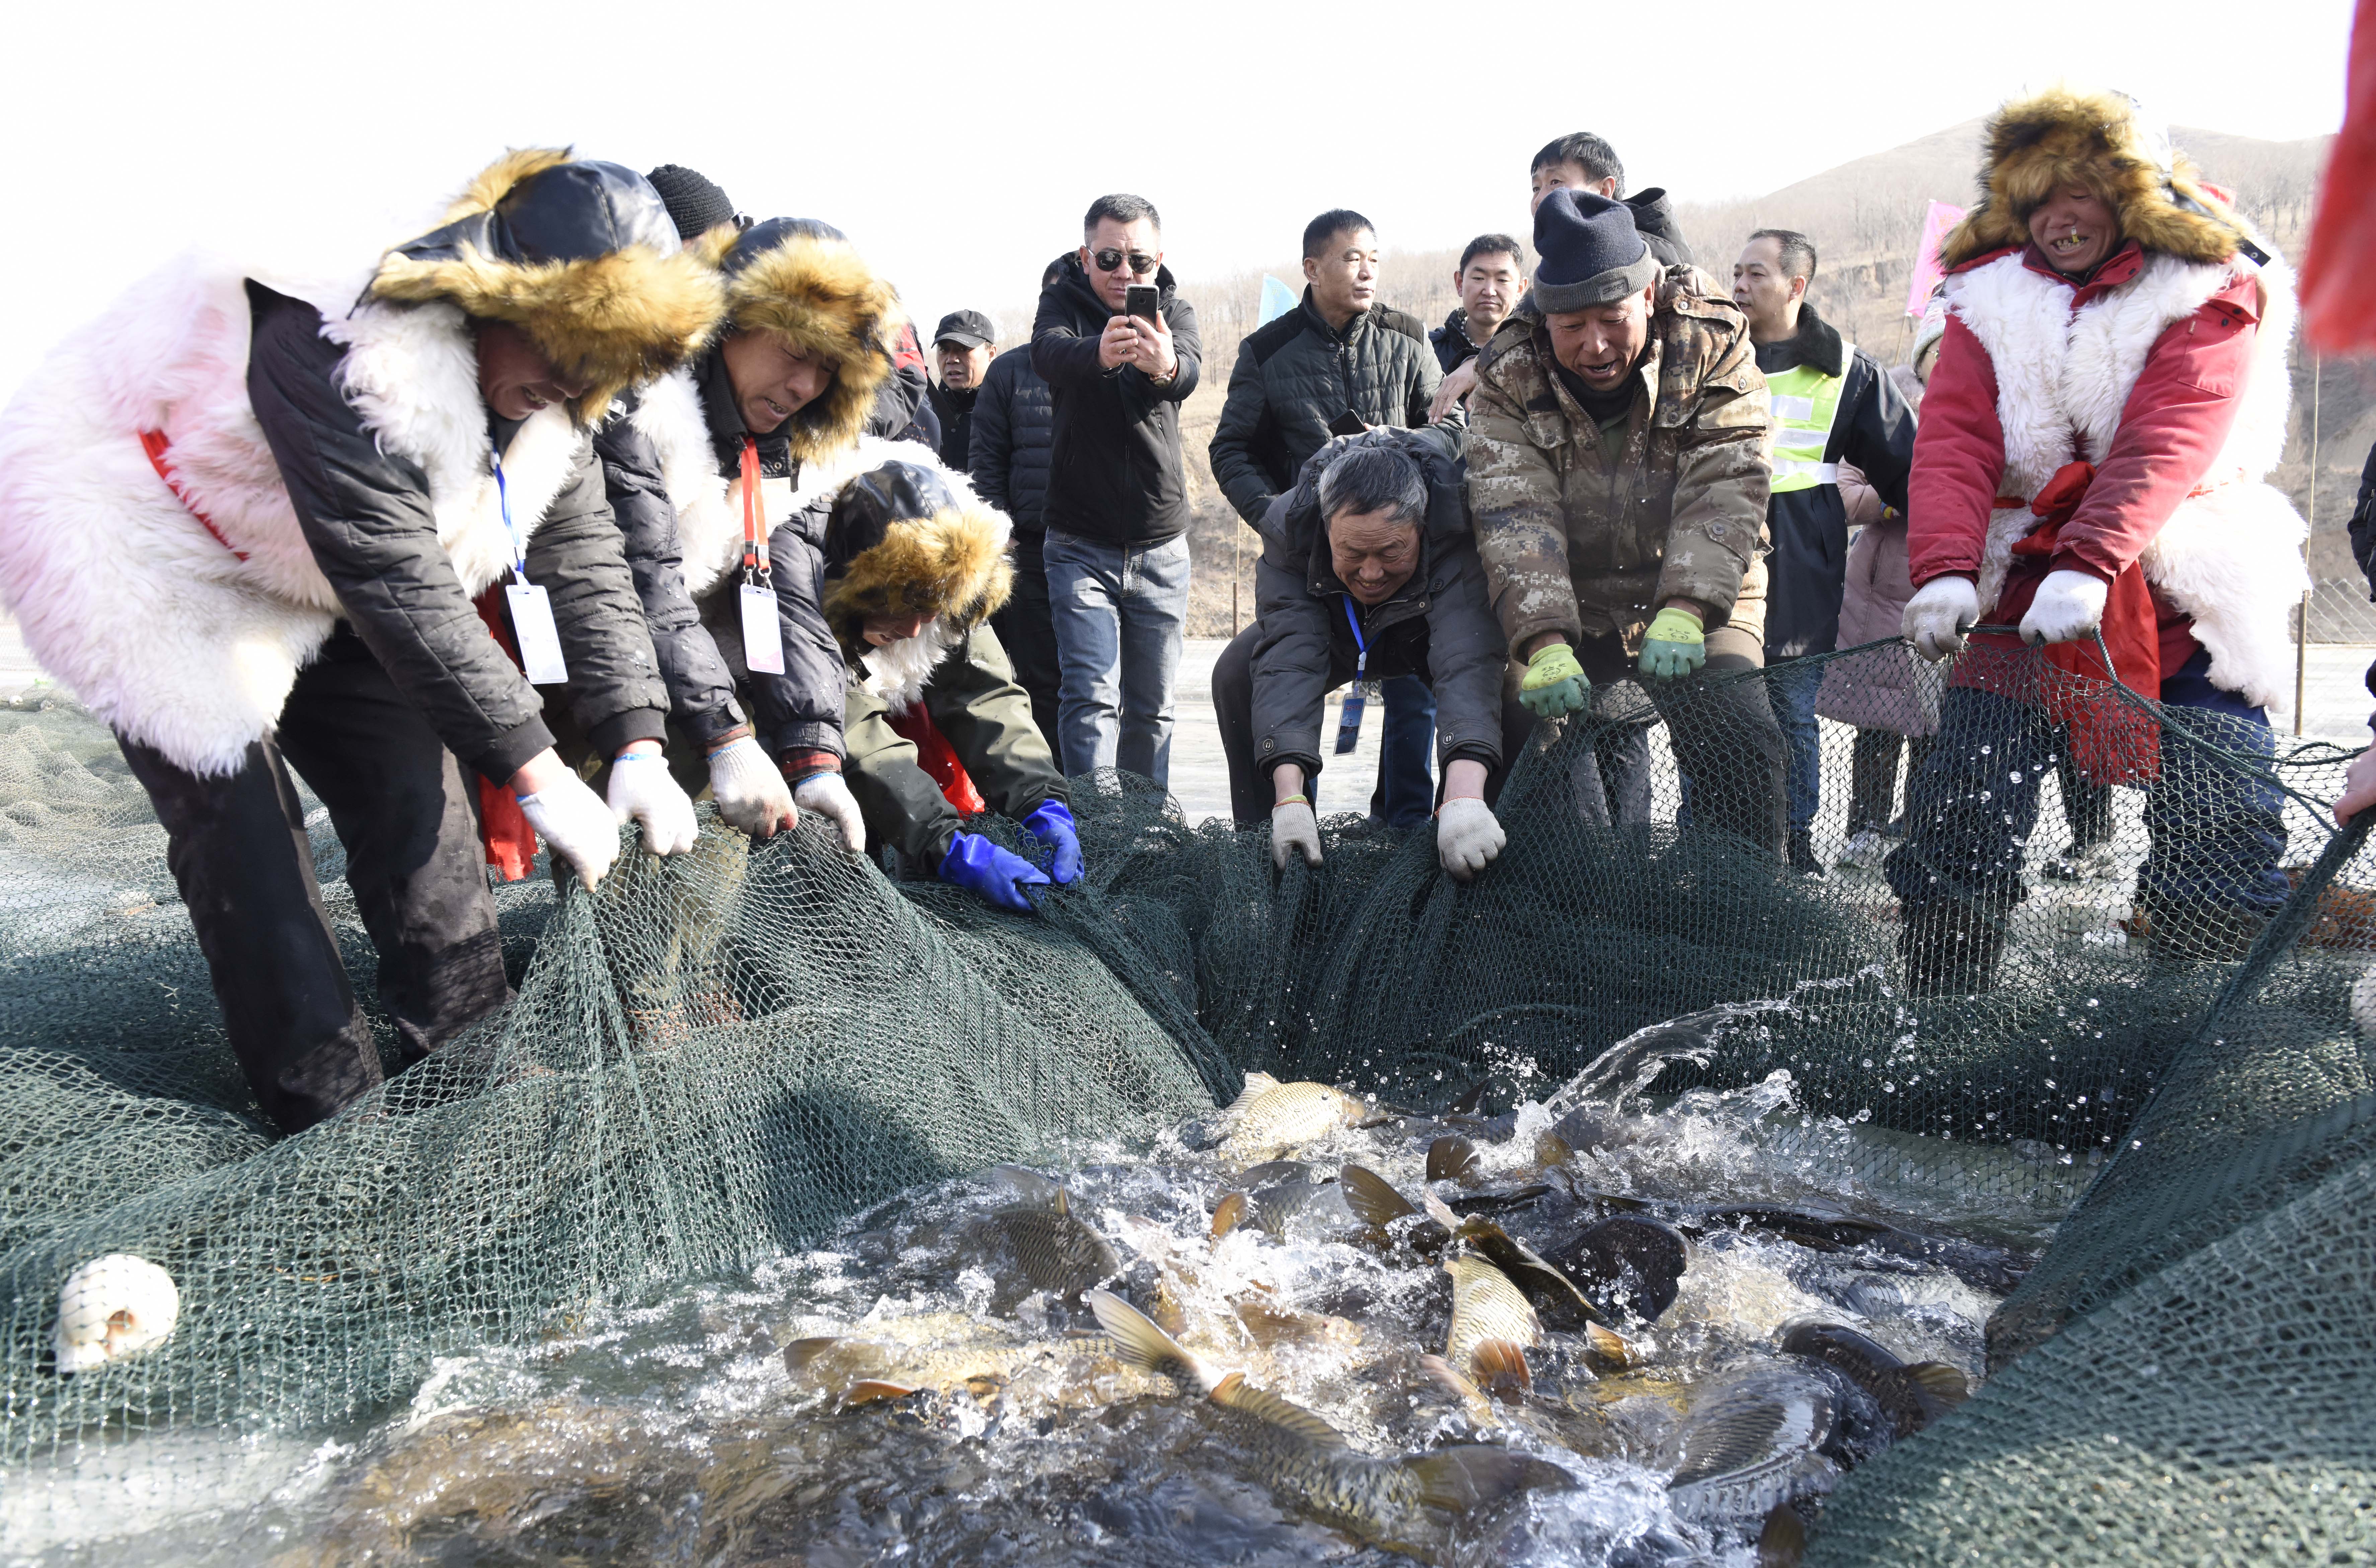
[1723, 474]
[1514, 498]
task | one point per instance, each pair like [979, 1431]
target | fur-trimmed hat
[903, 540]
[2066, 135]
[804, 281]
[578, 255]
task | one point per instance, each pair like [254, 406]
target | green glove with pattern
[1674, 646]
[1554, 683]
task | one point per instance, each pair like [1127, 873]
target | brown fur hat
[902, 539]
[804, 282]
[579, 254]
[2065, 135]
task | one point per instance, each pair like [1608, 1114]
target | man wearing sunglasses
[1116, 548]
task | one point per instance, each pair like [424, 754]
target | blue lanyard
[504, 497]
[1361, 660]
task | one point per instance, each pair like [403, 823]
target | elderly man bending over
[1368, 571]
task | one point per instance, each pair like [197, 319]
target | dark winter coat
[1654, 219]
[1113, 461]
[1808, 528]
[954, 411]
[1439, 626]
[1014, 422]
[1295, 374]
[366, 517]
[1453, 348]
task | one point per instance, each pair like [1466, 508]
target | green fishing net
[717, 1058]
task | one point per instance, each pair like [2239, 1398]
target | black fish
[1992, 1269]
[1628, 1262]
[1912, 1396]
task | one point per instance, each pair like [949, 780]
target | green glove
[1674, 646]
[1554, 683]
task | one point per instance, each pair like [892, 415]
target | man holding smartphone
[1119, 350]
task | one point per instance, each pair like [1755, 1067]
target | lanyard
[755, 517]
[1362, 658]
[1349, 718]
[504, 499]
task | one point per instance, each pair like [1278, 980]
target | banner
[1935, 226]
[1276, 300]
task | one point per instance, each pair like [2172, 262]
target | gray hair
[1374, 478]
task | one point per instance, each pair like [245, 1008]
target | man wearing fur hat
[714, 470]
[2110, 390]
[245, 520]
[1617, 474]
[913, 567]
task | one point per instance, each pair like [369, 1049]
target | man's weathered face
[962, 368]
[1490, 288]
[1373, 553]
[882, 631]
[1549, 177]
[1602, 344]
[1344, 276]
[773, 380]
[2075, 227]
[1762, 287]
[515, 378]
[1131, 244]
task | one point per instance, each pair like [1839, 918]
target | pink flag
[1935, 225]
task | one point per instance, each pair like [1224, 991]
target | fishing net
[2097, 970]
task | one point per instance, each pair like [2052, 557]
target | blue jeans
[1790, 685]
[1406, 794]
[2217, 835]
[1117, 611]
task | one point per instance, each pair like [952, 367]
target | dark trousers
[1028, 636]
[1726, 741]
[1790, 686]
[1233, 704]
[1873, 776]
[2217, 835]
[408, 819]
[2087, 808]
[1405, 796]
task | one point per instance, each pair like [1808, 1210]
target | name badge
[539, 639]
[762, 632]
[1349, 718]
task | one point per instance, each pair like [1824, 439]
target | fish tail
[1472, 1399]
[1144, 1344]
[1610, 1347]
[1228, 1214]
[867, 1390]
[1372, 1198]
[1499, 1369]
[1472, 1475]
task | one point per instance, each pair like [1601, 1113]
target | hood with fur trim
[804, 281]
[910, 538]
[2069, 135]
[579, 254]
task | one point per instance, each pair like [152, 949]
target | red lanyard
[754, 516]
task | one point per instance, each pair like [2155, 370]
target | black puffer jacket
[1654, 216]
[1295, 374]
[1439, 626]
[1453, 348]
[1013, 421]
[954, 411]
[366, 516]
[1113, 461]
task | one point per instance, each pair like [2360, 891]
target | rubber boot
[1951, 948]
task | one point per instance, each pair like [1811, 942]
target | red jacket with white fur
[2170, 377]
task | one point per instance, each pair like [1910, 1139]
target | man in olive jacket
[1618, 474]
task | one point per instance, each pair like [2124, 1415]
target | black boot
[1802, 854]
[1951, 948]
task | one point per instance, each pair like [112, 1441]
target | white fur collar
[898, 675]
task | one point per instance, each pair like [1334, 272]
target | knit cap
[695, 203]
[1588, 253]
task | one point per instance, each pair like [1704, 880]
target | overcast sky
[958, 144]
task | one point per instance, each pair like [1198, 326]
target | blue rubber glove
[1052, 823]
[978, 865]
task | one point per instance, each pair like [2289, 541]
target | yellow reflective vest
[1805, 401]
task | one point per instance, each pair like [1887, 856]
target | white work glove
[1467, 836]
[750, 790]
[826, 794]
[575, 825]
[641, 790]
[2068, 605]
[1293, 826]
[1937, 614]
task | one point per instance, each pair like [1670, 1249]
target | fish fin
[1439, 1211]
[1138, 1341]
[1551, 1149]
[1453, 1378]
[1471, 1098]
[1499, 1368]
[1783, 1542]
[1228, 1214]
[800, 1353]
[1372, 1198]
[1941, 1381]
[1168, 1315]
[873, 1389]
[1451, 1159]
[1610, 1346]
[1062, 1203]
[1474, 1474]
[1256, 1084]
[1271, 1410]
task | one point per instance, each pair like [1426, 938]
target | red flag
[2338, 310]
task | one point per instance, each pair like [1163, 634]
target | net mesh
[2017, 998]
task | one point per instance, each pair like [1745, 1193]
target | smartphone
[1144, 300]
[1347, 423]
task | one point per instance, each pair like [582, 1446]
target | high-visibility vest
[1805, 401]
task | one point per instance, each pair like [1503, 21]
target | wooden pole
[2302, 615]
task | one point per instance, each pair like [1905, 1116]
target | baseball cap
[969, 329]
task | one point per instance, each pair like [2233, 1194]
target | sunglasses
[1140, 264]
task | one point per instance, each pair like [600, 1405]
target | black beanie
[1588, 253]
[695, 203]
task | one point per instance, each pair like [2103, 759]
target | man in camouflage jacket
[1618, 473]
